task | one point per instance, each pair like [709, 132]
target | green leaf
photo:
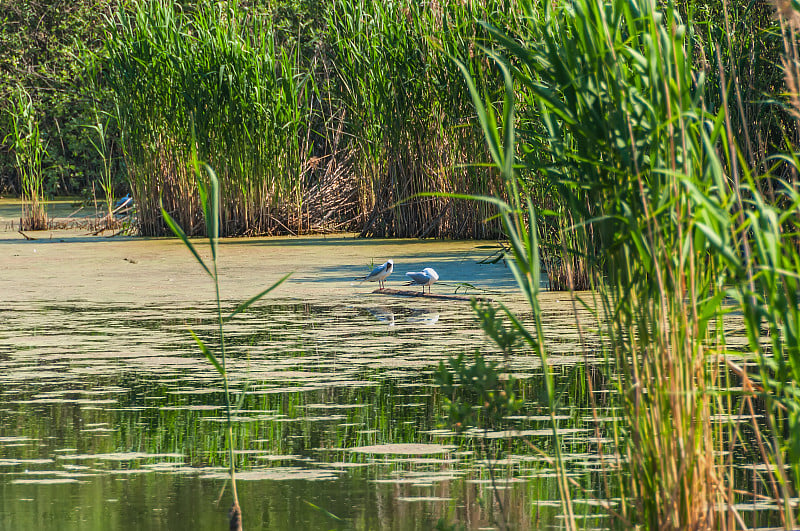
[483, 116]
[243, 306]
[178, 231]
[717, 243]
[210, 355]
[212, 212]
[323, 511]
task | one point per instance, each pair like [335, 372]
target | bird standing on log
[423, 278]
[379, 274]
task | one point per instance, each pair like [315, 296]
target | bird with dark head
[379, 274]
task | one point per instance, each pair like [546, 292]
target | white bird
[379, 274]
[423, 278]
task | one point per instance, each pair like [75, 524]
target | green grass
[213, 76]
[338, 126]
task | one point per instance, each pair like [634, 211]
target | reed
[336, 126]
[29, 149]
[104, 146]
[209, 198]
[409, 114]
[648, 175]
[221, 73]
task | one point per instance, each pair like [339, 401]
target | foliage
[28, 148]
[409, 113]
[476, 396]
[770, 301]
[335, 121]
[41, 45]
[371, 110]
[647, 168]
[104, 146]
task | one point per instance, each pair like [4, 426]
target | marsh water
[110, 418]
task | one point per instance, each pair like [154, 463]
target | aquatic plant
[476, 397]
[766, 285]
[409, 114]
[640, 112]
[518, 217]
[220, 73]
[337, 129]
[103, 145]
[651, 174]
[209, 192]
[28, 148]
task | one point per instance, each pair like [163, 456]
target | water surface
[111, 419]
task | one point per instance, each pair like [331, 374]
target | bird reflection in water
[424, 317]
[382, 314]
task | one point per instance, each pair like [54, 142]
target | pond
[112, 419]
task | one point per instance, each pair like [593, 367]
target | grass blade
[178, 231]
[246, 304]
[210, 355]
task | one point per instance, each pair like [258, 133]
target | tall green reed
[215, 67]
[518, 216]
[409, 115]
[768, 219]
[104, 146]
[336, 125]
[209, 194]
[29, 149]
[614, 94]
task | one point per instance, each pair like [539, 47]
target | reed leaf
[246, 304]
[207, 353]
[178, 231]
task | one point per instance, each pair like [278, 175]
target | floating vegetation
[412, 499]
[119, 456]
[14, 462]
[48, 481]
[277, 474]
[318, 380]
[403, 449]
[356, 400]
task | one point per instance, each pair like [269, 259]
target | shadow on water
[110, 420]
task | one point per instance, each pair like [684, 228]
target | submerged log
[410, 293]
